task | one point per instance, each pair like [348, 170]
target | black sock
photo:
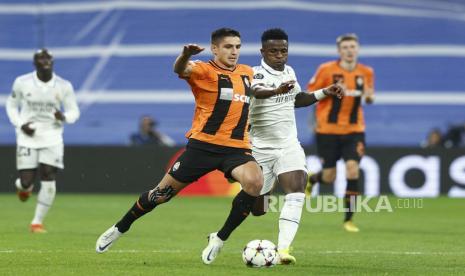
[142, 206]
[241, 206]
[350, 198]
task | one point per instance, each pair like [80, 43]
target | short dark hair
[274, 34]
[221, 33]
[42, 52]
[346, 37]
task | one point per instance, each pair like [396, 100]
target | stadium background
[119, 54]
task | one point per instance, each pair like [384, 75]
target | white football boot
[213, 248]
[106, 240]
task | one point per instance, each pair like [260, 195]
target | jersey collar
[271, 70]
[50, 83]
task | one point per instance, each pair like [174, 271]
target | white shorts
[277, 161]
[28, 158]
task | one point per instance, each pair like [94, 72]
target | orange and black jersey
[221, 104]
[341, 116]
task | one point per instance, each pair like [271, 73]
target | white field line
[248, 49]
[185, 97]
[350, 8]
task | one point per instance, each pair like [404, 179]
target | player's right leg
[329, 148]
[27, 162]
[25, 183]
[163, 192]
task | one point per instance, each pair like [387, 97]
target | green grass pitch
[428, 240]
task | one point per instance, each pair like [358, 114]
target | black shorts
[332, 147]
[201, 158]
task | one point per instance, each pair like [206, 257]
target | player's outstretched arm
[182, 65]
[259, 91]
[305, 99]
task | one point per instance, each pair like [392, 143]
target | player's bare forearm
[261, 92]
[181, 65]
[304, 99]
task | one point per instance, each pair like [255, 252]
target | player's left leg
[353, 151]
[27, 161]
[50, 160]
[292, 177]
[45, 197]
[293, 183]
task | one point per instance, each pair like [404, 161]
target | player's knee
[162, 195]
[252, 183]
[26, 182]
[352, 171]
[328, 179]
[48, 174]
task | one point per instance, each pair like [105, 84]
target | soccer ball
[260, 253]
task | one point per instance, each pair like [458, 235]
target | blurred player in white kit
[34, 108]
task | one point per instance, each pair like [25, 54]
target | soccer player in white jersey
[274, 134]
[34, 108]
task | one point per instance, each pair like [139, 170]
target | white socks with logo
[44, 200]
[290, 218]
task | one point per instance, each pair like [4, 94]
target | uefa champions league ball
[260, 253]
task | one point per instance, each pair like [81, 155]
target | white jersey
[272, 120]
[37, 102]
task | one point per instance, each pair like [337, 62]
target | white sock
[290, 218]
[44, 200]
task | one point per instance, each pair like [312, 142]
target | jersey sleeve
[297, 88]
[71, 109]
[258, 78]
[12, 104]
[199, 71]
[317, 81]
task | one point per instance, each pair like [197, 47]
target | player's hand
[370, 98]
[192, 49]
[335, 90]
[27, 129]
[59, 115]
[285, 87]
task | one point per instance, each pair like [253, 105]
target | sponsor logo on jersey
[258, 76]
[228, 94]
[241, 98]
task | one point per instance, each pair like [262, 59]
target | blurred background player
[218, 139]
[433, 140]
[273, 132]
[40, 95]
[149, 136]
[340, 126]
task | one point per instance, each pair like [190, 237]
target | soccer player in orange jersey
[340, 126]
[218, 138]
